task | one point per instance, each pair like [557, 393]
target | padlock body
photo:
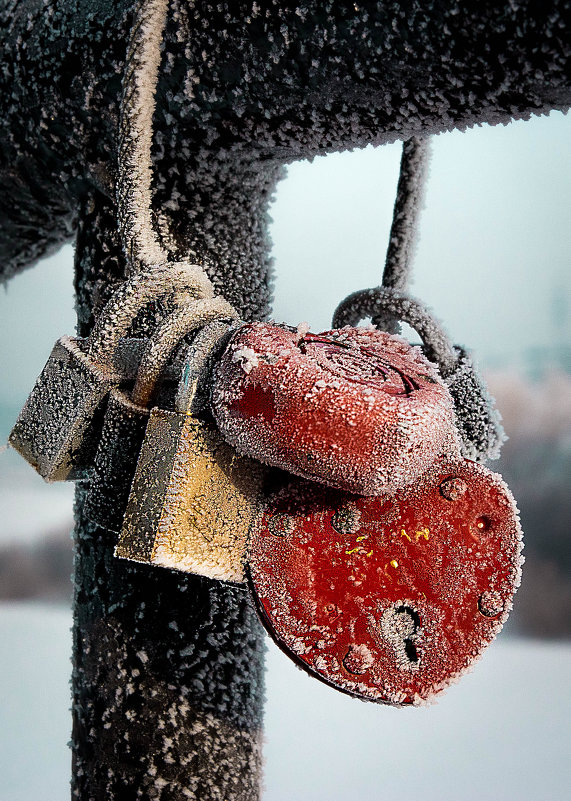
[57, 430]
[115, 460]
[389, 598]
[355, 408]
[192, 501]
[477, 419]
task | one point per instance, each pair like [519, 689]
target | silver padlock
[193, 498]
[57, 431]
[127, 414]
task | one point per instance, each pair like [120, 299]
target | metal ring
[168, 335]
[380, 300]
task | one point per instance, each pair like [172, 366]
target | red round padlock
[389, 599]
[354, 408]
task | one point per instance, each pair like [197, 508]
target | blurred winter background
[493, 262]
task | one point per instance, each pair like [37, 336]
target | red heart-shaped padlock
[354, 408]
[389, 598]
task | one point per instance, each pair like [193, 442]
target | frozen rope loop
[181, 280]
[477, 419]
[141, 240]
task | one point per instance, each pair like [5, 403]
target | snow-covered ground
[501, 734]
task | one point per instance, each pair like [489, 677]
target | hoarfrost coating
[357, 409]
[243, 89]
[396, 606]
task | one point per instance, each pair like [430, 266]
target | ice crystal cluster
[167, 679]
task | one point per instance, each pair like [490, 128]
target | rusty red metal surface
[353, 408]
[389, 598]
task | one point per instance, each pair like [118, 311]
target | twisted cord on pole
[141, 234]
[134, 197]
[406, 212]
[402, 242]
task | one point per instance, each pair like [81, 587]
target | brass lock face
[193, 500]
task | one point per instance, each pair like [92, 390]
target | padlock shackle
[206, 345]
[388, 302]
[133, 295]
[168, 335]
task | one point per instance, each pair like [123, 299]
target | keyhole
[414, 619]
[400, 628]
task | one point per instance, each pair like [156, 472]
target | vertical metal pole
[168, 668]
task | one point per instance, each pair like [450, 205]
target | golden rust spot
[394, 564]
[424, 532]
[404, 534]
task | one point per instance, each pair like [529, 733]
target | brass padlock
[193, 498]
[127, 414]
[57, 431]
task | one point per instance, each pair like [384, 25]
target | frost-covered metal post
[168, 669]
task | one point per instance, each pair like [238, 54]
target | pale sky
[495, 236]
[495, 246]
